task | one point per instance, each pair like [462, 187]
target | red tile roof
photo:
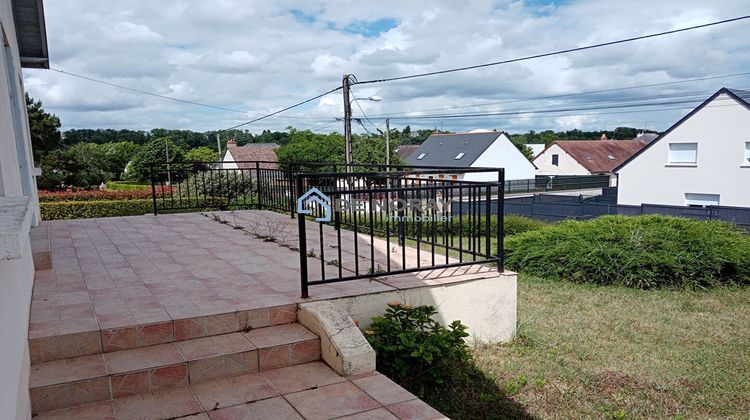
[594, 154]
[406, 150]
[255, 152]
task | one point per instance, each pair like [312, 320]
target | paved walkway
[123, 271]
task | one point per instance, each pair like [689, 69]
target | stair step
[87, 379]
[311, 389]
[45, 348]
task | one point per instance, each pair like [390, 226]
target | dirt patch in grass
[614, 352]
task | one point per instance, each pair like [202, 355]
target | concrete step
[45, 346]
[310, 390]
[101, 377]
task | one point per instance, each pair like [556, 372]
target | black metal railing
[374, 224]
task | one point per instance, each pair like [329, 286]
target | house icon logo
[310, 199]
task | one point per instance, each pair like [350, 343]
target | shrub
[100, 195]
[127, 186]
[641, 251]
[514, 224]
[414, 349]
[57, 210]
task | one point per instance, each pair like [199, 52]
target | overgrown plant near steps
[414, 349]
[434, 363]
[635, 251]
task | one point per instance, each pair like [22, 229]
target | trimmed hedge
[88, 209]
[513, 225]
[93, 195]
[636, 251]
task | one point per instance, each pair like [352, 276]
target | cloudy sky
[256, 57]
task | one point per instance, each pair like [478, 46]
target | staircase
[164, 375]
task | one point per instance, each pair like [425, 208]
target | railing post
[500, 220]
[401, 228]
[302, 244]
[257, 184]
[293, 195]
[153, 188]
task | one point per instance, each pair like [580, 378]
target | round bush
[640, 251]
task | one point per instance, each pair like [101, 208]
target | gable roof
[31, 32]
[741, 96]
[442, 149]
[254, 152]
[594, 155]
[406, 150]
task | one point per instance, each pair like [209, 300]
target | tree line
[86, 158]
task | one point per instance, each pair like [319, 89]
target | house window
[610, 157]
[454, 177]
[683, 153]
[459, 156]
[701, 200]
[421, 156]
[556, 160]
[747, 154]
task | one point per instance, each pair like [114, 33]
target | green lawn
[592, 351]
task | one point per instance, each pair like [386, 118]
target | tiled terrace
[113, 273]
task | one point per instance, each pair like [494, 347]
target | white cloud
[260, 57]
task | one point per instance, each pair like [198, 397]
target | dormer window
[459, 156]
[610, 157]
[747, 154]
[421, 156]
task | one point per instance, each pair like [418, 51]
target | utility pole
[169, 175]
[218, 148]
[347, 124]
[387, 144]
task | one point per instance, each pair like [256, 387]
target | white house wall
[721, 132]
[502, 154]
[228, 161]
[566, 164]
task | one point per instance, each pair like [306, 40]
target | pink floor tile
[331, 401]
[232, 391]
[384, 390]
[279, 335]
[272, 408]
[415, 410]
[143, 358]
[302, 377]
[201, 348]
[97, 411]
[377, 414]
[170, 403]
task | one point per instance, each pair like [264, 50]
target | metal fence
[396, 222]
[559, 207]
[544, 183]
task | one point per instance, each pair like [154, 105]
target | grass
[615, 352]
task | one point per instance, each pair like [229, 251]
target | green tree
[201, 154]
[371, 150]
[306, 146]
[44, 127]
[83, 165]
[118, 155]
[154, 154]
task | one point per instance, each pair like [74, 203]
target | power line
[145, 92]
[547, 111]
[363, 112]
[553, 53]
[565, 95]
[283, 109]
[91, 79]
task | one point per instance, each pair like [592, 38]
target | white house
[585, 157]
[24, 45]
[703, 159]
[243, 157]
[479, 149]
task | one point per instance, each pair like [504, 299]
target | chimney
[603, 137]
[231, 143]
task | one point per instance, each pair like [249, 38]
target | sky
[256, 57]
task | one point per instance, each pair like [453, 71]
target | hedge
[93, 195]
[635, 251]
[127, 186]
[87, 209]
[466, 226]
